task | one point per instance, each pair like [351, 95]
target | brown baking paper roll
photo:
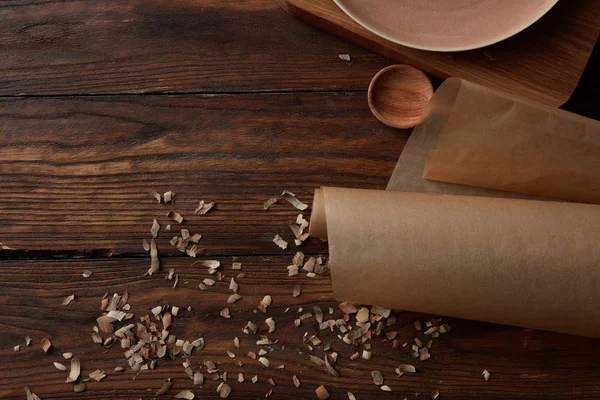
[494, 140]
[518, 262]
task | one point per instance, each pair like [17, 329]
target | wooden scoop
[399, 95]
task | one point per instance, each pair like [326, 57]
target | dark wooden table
[227, 101]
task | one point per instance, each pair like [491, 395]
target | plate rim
[497, 39]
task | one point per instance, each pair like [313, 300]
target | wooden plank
[142, 46]
[524, 364]
[76, 171]
[543, 63]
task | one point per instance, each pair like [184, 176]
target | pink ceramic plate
[445, 25]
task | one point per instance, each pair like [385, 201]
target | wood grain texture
[543, 63]
[76, 171]
[524, 364]
[142, 46]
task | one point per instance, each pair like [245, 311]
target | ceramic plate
[445, 25]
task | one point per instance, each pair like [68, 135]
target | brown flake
[435, 395]
[347, 308]
[280, 242]
[431, 330]
[377, 377]
[225, 313]
[264, 340]
[309, 265]
[417, 324]
[68, 300]
[265, 303]
[79, 388]
[224, 390]
[295, 230]
[486, 375]
[208, 282]
[250, 327]
[292, 270]
[97, 375]
[252, 355]
[105, 323]
[424, 354]
[269, 393]
[155, 228]
[175, 216]
[367, 354]
[362, 315]
[185, 394]
[46, 344]
[165, 387]
[330, 368]
[195, 238]
[267, 204]
[198, 378]
[168, 196]
[291, 198]
[383, 312]
[166, 320]
[391, 335]
[318, 314]
[317, 360]
[296, 381]
[271, 381]
[322, 392]
[298, 259]
[154, 261]
[233, 286]
[203, 207]
[194, 251]
[212, 265]
[297, 290]
[233, 298]
[60, 366]
[30, 395]
[185, 234]
[156, 195]
[271, 324]
[264, 361]
[211, 367]
[75, 370]
[406, 368]
[418, 342]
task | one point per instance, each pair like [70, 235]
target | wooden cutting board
[543, 63]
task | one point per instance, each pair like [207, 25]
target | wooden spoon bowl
[399, 95]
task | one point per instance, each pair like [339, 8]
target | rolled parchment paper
[506, 251]
[489, 139]
[519, 262]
